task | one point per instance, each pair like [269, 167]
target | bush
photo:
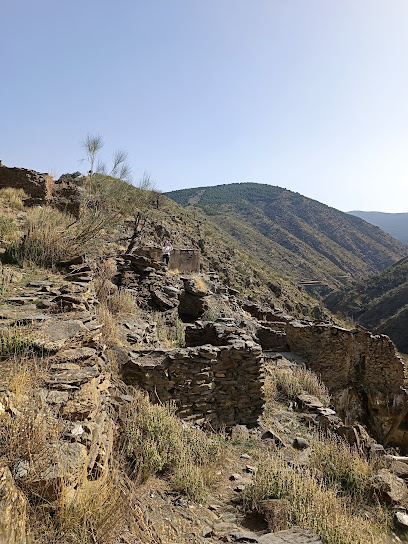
[282, 383]
[8, 229]
[52, 236]
[13, 197]
[315, 506]
[156, 442]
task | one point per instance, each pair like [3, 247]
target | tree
[92, 144]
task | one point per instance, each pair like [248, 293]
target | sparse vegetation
[156, 442]
[282, 383]
[316, 506]
[14, 198]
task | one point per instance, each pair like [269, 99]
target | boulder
[64, 465]
[389, 487]
[13, 506]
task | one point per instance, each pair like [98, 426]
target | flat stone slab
[296, 535]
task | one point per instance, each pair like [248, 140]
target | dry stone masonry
[217, 384]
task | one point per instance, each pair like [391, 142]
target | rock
[163, 302]
[250, 469]
[207, 531]
[63, 466]
[235, 476]
[239, 488]
[400, 469]
[191, 307]
[390, 488]
[239, 432]
[309, 402]
[245, 456]
[300, 443]
[243, 536]
[273, 437]
[277, 513]
[83, 404]
[296, 535]
[54, 333]
[13, 506]
[195, 287]
[401, 519]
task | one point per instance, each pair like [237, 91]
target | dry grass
[157, 443]
[51, 236]
[288, 383]
[109, 330]
[316, 506]
[13, 197]
[122, 302]
[16, 341]
[172, 335]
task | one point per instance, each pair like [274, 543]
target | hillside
[395, 224]
[144, 404]
[296, 236]
[380, 303]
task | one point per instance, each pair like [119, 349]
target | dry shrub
[52, 236]
[13, 197]
[335, 519]
[342, 466]
[156, 442]
[109, 330]
[96, 513]
[288, 383]
[122, 302]
[16, 341]
[170, 335]
[9, 231]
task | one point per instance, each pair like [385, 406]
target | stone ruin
[41, 189]
[181, 259]
[219, 383]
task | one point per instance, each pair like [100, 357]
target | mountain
[395, 224]
[380, 303]
[296, 236]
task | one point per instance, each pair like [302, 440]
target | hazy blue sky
[311, 95]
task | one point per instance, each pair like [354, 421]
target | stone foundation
[184, 260]
[218, 385]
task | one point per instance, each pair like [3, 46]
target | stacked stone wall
[34, 184]
[219, 385]
[184, 260]
[343, 357]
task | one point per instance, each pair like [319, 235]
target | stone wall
[184, 260]
[41, 189]
[219, 385]
[342, 356]
[364, 373]
[34, 184]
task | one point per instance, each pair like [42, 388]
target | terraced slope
[294, 235]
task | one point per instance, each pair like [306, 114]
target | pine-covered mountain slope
[296, 236]
[380, 303]
[395, 224]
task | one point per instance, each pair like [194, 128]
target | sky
[310, 95]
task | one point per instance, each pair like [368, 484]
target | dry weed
[315, 506]
[288, 383]
[13, 197]
[109, 330]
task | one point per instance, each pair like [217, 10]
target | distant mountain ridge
[380, 303]
[296, 236]
[395, 224]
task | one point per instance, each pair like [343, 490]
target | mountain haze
[395, 224]
[296, 236]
